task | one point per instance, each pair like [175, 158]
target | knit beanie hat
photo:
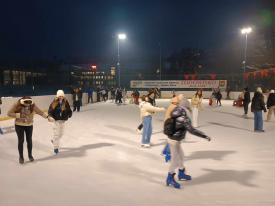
[60, 93]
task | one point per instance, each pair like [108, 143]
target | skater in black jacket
[60, 111]
[182, 124]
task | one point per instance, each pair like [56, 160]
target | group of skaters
[181, 117]
[216, 97]
[177, 122]
[23, 111]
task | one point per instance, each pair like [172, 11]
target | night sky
[86, 29]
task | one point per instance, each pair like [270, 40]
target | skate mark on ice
[73, 152]
[240, 177]
[229, 126]
[212, 154]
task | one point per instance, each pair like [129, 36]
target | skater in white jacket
[196, 104]
[146, 112]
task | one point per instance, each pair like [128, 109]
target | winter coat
[183, 124]
[146, 109]
[270, 100]
[24, 114]
[196, 101]
[246, 99]
[258, 102]
[77, 96]
[60, 111]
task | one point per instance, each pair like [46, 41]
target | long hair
[56, 102]
[197, 93]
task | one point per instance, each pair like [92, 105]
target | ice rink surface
[101, 162]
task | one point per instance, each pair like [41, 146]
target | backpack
[169, 127]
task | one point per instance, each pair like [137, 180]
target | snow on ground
[101, 162]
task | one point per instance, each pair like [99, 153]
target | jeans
[147, 130]
[258, 120]
[20, 130]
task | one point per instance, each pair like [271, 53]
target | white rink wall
[43, 102]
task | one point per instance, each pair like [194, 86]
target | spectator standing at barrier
[23, 111]
[146, 112]
[90, 95]
[60, 111]
[257, 106]
[76, 100]
[270, 104]
[246, 101]
[196, 103]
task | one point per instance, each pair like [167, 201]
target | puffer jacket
[60, 111]
[258, 102]
[183, 124]
[271, 100]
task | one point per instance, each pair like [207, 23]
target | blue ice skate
[183, 176]
[171, 181]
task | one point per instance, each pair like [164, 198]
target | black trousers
[90, 99]
[245, 107]
[20, 130]
[77, 105]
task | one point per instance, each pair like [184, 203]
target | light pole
[119, 37]
[245, 31]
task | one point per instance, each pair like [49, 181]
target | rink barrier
[43, 102]
[5, 130]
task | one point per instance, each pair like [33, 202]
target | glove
[50, 119]
[208, 138]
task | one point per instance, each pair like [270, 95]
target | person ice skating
[219, 97]
[124, 95]
[182, 124]
[257, 106]
[118, 96]
[196, 103]
[146, 112]
[246, 101]
[90, 95]
[60, 111]
[270, 105]
[23, 111]
[77, 95]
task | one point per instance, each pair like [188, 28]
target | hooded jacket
[24, 114]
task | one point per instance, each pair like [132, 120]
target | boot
[56, 151]
[171, 181]
[31, 158]
[21, 160]
[183, 176]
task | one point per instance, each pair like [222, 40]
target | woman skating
[23, 112]
[146, 112]
[182, 124]
[60, 111]
[196, 103]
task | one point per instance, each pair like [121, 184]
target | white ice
[101, 162]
